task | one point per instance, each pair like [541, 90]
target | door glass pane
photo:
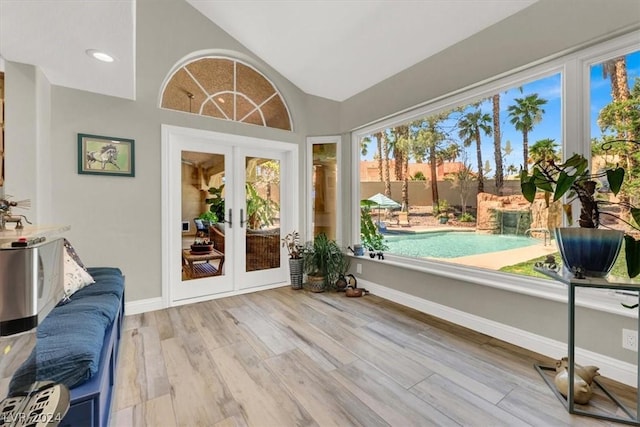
[202, 249]
[262, 214]
[324, 189]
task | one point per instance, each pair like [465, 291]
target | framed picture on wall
[105, 155]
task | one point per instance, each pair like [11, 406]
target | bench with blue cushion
[77, 345]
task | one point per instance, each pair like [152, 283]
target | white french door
[259, 193]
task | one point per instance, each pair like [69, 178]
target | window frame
[574, 71]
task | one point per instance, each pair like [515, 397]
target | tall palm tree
[497, 143]
[525, 114]
[378, 137]
[431, 136]
[470, 129]
[386, 149]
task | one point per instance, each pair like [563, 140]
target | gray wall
[116, 221]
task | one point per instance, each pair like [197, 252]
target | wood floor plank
[217, 327]
[325, 400]
[271, 336]
[155, 372]
[387, 357]
[445, 395]
[256, 389]
[481, 378]
[164, 324]
[392, 402]
[324, 350]
[159, 412]
[199, 396]
[131, 369]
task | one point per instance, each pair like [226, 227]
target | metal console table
[601, 283]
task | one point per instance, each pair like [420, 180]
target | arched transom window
[226, 89]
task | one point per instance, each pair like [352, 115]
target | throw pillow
[75, 277]
[73, 254]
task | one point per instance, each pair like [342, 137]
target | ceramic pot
[593, 251]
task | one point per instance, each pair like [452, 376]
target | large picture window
[449, 171]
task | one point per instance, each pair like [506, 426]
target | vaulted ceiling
[332, 49]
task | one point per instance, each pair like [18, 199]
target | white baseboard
[623, 372]
[143, 306]
[152, 304]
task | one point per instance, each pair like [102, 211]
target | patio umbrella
[383, 201]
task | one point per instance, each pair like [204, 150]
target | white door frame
[289, 182]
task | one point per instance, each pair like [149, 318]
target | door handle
[230, 218]
[241, 218]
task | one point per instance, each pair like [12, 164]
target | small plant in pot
[585, 253]
[296, 263]
[323, 262]
[370, 237]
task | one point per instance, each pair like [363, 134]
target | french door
[251, 193]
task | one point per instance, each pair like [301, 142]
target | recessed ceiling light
[100, 56]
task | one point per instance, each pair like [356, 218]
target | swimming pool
[453, 244]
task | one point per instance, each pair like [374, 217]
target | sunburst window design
[226, 89]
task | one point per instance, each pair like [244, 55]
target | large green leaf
[632, 255]
[528, 190]
[541, 181]
[577, 161]
[563, 185]
[615, 178]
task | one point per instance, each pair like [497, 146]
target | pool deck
[491, 260]
[497, 260]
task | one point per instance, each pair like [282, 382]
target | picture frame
[105, 155]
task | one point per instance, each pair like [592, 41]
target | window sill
[602, 300]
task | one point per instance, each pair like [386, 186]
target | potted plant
[323, 260]
[370, 237]
[217, 202]
[296, 263]
[260, 211]
[442, 215]
[584, 252]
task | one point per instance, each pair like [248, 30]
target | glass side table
[599, 283]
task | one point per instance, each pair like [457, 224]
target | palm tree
[451, 152]
[385, 163]
[544, 149]
[430, 135]
[378, 137]
[470, 130]
[525, 114]
[364, 145]
[497, 143]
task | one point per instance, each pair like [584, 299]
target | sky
[548, 88]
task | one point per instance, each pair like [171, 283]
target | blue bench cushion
[69, 340]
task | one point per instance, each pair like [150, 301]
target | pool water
[452, 244]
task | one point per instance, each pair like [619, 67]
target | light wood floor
[288, 358]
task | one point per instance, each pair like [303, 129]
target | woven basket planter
[316, 283]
